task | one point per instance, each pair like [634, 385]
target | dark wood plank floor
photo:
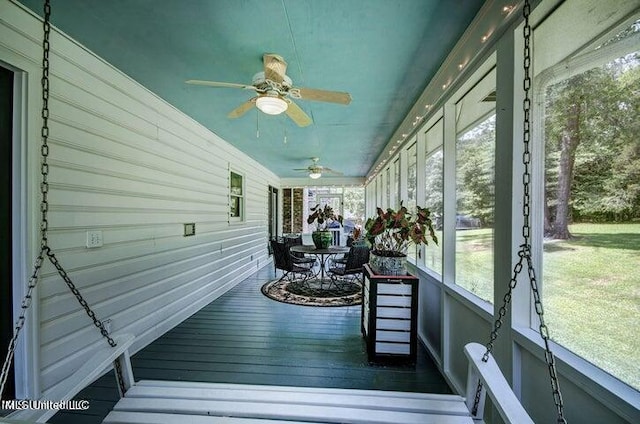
[244, 337]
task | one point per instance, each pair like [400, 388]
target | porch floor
[244, 337]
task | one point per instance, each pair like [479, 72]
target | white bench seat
[172, 402]
[156, 418]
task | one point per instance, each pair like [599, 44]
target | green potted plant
[323, 216]
[390, 234]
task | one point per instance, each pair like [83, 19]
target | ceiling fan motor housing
[261, 83]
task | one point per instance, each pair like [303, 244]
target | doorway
[6, 207]
[333, 200]
[273, 212]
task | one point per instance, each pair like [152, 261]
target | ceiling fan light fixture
[271, 105]
[314, 175]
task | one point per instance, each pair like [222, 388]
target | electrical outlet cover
[94, 239]
[189, 229]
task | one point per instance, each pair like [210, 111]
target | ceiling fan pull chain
[284, 131]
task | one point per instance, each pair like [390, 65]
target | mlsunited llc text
[71, 405]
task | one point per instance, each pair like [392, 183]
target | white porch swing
[181, 402]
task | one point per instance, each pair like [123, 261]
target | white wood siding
[124, 162]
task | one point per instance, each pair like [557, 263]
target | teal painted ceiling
[383, 52]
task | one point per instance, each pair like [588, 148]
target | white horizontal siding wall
[124, 162]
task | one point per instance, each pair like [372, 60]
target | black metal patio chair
[283, 261]
[298, 258]
[351, 269]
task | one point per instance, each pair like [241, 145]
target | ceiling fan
[315, 171]
[275, 92]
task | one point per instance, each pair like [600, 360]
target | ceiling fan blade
[242, 109]
[275, 67]
[321, 95]
[331, 171]
[220, 84]
[297, 115]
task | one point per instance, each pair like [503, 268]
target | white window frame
[241, 197]
[427, 149]
[593, 379]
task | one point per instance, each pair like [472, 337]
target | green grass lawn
[590, 286]
[474, 262]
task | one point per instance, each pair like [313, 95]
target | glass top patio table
[322, 254]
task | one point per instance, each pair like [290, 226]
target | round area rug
[309, 293]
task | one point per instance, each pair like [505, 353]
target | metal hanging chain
[524, 253]
[45, 250]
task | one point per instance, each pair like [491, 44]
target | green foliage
[606, 168]
[475, 164]
[323, 216]
[392, 231]
[434, 182]
[353, 199]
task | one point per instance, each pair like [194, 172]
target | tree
[592, 146]
[475, 164]
[353, 205]
[434, 183]
[569, 140]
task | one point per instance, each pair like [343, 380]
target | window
[475, 152]
[396, 179]
[434, 193]
[475, 187]
[591, 204]
[412, 181]
[379, 191]
[387, 175]
[353, 210]
[236, 196]
[412, 184]
[346, 201]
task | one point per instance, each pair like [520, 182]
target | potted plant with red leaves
[322, 217]
[391, 232]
